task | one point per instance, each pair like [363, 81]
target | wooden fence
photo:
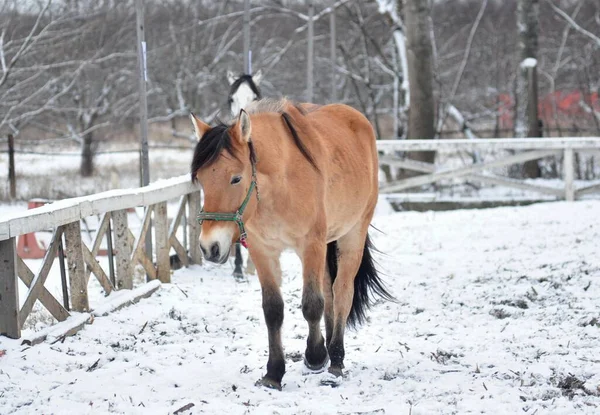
[128, 250]
[125, 250]
[520, 151]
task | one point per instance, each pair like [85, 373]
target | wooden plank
[518, 184]
[580, 143]
[128, 298]
[70, 210]
[178, 215]
[588, 189]
[102, 228]
[76, 265]
[61, 330]
[569, 174]
[408, 164]
[485, 178]
[161, 240]
[148, 265]
[94, 266]
[124, 268]
[179, 250]
[130, 239]
[39, 280]
[45, 217]
[194, 227]
[52, 304]
[9, 290]
[464, 171]
[139, 252]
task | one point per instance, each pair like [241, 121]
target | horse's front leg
[269, 275]
[313, 264]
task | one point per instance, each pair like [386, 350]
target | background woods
[68, 68]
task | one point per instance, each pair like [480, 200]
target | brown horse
[301, 177]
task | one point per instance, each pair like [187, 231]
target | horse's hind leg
[350, 253]
[313, 264]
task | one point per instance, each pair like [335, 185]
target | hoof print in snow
[268, 383]
[330, 379]
[500, 313]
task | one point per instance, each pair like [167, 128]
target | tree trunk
[421, 117]
[526, 94]
[87, 156]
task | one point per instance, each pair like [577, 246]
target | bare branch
[574, 24]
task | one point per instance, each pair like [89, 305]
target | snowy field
[498, 312]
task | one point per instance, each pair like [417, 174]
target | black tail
[367, 283]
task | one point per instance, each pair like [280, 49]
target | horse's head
[243, 91]
[224, 165]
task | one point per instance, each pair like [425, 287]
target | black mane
[248, 79]
[208, 149]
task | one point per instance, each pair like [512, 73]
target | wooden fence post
[12, 177]
[76, 265]
[9, 290]
[569, 174]
[194, 228]
[161, 235]
[124, 276]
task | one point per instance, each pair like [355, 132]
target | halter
[237, 215]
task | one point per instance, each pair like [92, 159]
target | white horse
[243, 91]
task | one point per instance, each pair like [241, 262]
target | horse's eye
[236, 179]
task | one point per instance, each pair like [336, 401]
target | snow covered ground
[497, 313]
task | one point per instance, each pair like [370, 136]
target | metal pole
[396, 94]
[143, 77]
[309, 60]
[247, 68]
[12, 177]
[332, 50]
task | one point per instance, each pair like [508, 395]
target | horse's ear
[200, 128]
[242, 127]
[257, 77]
[230, 77]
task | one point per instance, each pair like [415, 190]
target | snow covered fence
[532, 149]
[125, 249]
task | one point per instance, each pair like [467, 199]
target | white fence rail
[529, 149]
[63, 219]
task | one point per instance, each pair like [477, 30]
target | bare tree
[421, 119]
[528, 12]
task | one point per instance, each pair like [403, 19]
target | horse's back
[342, 128]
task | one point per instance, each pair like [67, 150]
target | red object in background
[28, 246]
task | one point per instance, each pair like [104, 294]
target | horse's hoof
[268, 383]
[336, 371]
[319, 367]
[238, 276]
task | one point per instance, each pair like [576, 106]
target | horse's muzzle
[215, 253]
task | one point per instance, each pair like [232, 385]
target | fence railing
[529, 149]
[125, 249]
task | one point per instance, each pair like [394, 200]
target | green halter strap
[237, 215]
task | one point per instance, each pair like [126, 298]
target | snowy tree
[528, 12]
[421, 119]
